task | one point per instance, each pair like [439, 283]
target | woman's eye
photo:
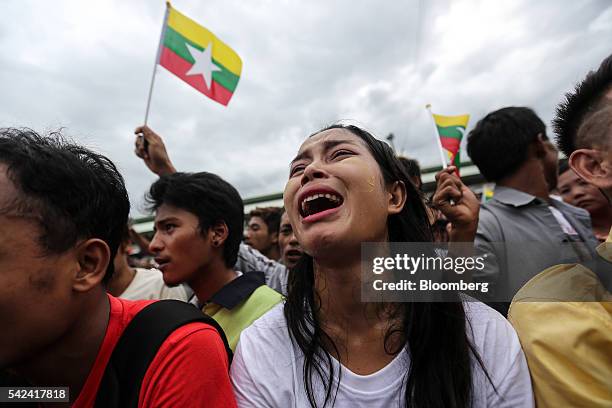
[341, 153]
[169, 227]
[298, 168]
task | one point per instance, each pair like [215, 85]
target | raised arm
[150, 147]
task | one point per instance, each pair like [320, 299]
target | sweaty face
[290, 249]
[180, 249]
[35, 287]
[258, 235]
[335, 195]
[576, 191]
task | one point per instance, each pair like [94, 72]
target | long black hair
[440, 373]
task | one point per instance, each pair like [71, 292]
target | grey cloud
[87, 66]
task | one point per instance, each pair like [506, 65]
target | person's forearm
[463, 234]
[461, 245]
[165, 169]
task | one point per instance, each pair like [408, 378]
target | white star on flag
[203, 64]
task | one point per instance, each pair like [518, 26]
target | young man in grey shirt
[522, 229]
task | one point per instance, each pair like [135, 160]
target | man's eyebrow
[327, 144]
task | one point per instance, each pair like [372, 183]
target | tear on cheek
[369, 184]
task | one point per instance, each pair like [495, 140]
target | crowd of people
[266, 310]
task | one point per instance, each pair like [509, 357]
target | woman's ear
[93, 256]
[219, 233]
[397, 197]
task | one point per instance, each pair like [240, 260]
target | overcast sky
[86, 66]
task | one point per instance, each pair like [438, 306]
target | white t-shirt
[266, 370]
[149, 284]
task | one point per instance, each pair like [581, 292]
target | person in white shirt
[324, 346]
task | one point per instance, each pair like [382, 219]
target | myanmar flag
[198, 57]
[451, 130]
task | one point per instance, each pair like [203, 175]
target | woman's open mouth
[319, 203]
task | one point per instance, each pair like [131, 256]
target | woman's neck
[339, 291]
[357, 329]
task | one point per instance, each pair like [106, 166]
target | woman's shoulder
[500, 352]
[273, 319]
[263, 367]
[479, 313]
[487, 328]
[269, 332]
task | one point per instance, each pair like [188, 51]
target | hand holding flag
[150, 147]
[458, 203]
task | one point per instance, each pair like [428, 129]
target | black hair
[499, 143]
[72, 192]
[563, 166]
[440, 373]
[270, 215]
[588, 97]
[209, 197]
[412, 167]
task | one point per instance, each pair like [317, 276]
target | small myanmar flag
[198, 57]
[488, 190]
[451, 130]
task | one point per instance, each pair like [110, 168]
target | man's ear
[219, 233]
[587, 163]
[397, 197]
[93, 256]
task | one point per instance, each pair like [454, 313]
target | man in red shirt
[62, 209]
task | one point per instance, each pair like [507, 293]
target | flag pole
[437, 136]
[438, 142]
[159, 47]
